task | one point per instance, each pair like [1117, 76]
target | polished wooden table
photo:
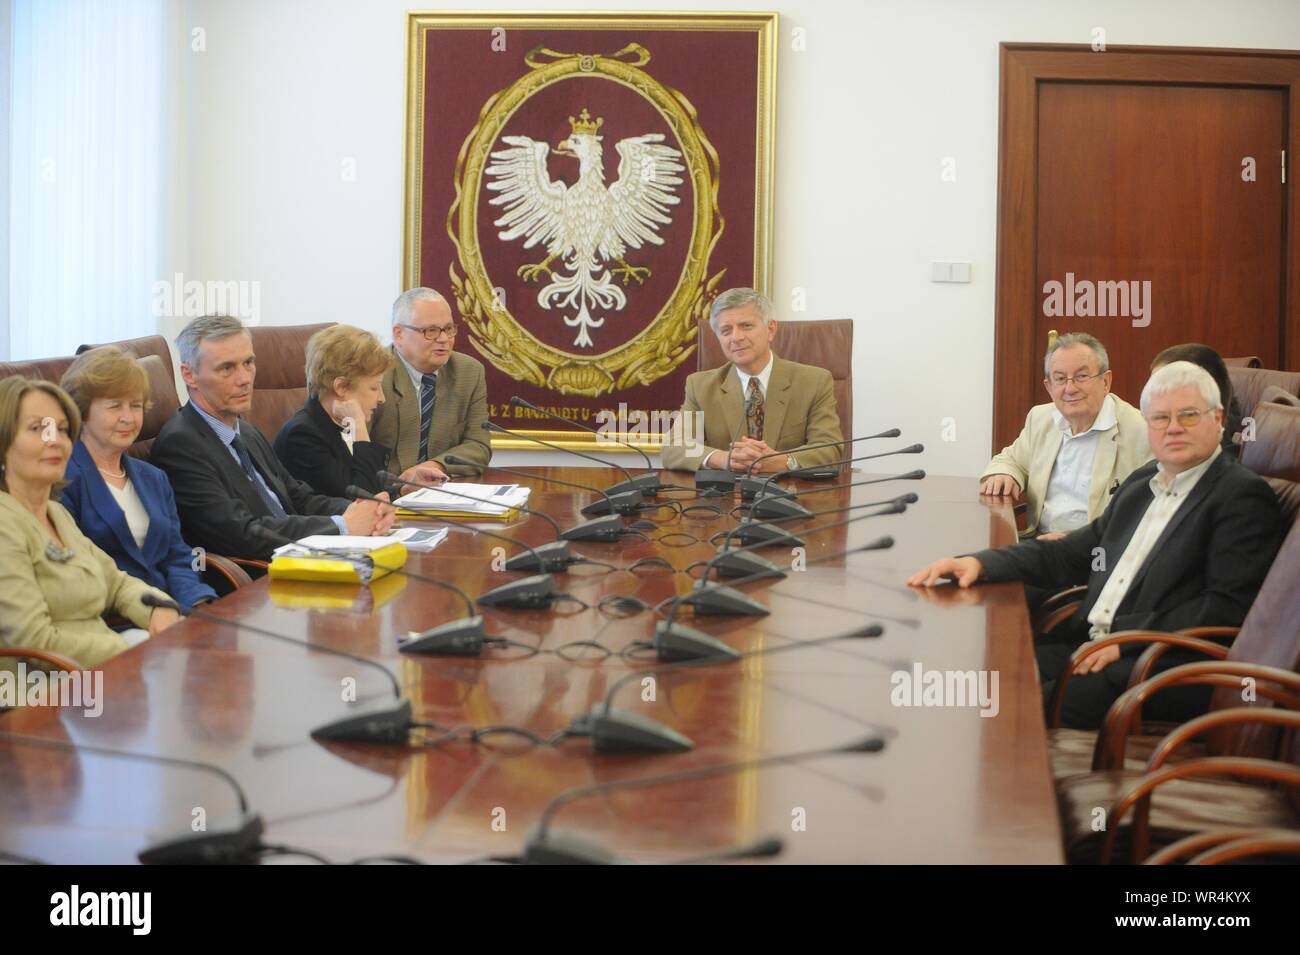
[950, 786]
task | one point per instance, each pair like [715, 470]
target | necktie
[754, 422]
[246, 462]
[428, 385]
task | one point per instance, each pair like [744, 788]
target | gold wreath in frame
[666, 341]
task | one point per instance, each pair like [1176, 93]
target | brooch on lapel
[57, 554]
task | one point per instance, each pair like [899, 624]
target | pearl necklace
[110, 473]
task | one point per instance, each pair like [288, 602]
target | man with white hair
[1186, 541]
[435, 398]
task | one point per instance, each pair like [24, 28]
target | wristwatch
[790, 463]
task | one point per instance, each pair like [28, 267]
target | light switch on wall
[949, 271]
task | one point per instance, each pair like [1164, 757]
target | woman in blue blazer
[122, 504]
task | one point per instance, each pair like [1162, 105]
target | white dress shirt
[763, 377]
[1169, 496]
[1065, 506]
[137, 518]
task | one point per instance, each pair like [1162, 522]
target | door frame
[1023, 66]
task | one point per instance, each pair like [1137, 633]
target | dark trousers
[1088, 698]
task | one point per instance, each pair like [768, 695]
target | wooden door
[1141, 199]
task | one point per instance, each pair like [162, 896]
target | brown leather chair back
[142, 347]
[1249, 384]
[1252, 361]
[1270, 635]
[162, 392]
[1275, 454]
[45, 369]
[281, 386]
[826, 343]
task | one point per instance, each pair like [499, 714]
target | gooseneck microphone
[625, 504]
[545, 846]
[386, 722]
[723, 480]
[546, 558]
[767, 488]
[603, 528]
[748, 488]
[750, 531]
[773, 503]
[622, 731]
[648, 484]
[238, 843]
[463, 637]
[742, 561]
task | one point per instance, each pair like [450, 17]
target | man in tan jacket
[1074, 452]
[435, 399]
[790, 405]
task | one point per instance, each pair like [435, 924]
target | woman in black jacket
[327, 442]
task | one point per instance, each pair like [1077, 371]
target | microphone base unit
[647, 484]
[759, 532]
[750, 486]
[625, 503]
[228, 845]
[825, 472]
[549, 847]
[715, 479]
[718, 599]
[458, 638]
[745, 563]
[528, 593]
[676, 641]
[772, 489]
[607, 528]
[554, 557]
[386, 722]
[620, 731]
[783, 507]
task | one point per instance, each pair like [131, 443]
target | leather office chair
[45, 369]
[1106, 769]
[826, 343]
[1249, 385]
[281, 386]
[1252, 361]
[142, 348]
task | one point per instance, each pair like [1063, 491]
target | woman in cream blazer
[54, 582]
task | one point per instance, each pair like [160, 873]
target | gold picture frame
[669, 340]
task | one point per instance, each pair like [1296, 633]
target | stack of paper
[489, 500]
[415, 539]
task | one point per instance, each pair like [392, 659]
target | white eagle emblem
[588, 224]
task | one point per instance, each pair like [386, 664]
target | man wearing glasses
[1074, 452]
[435, 399]
[1186, 542]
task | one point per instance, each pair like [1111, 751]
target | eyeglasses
[1082, 378]
[432, 333]
[1187, 418]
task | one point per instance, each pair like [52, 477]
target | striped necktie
[754, 422]
[428, 385]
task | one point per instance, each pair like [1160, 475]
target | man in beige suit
[790, 405]
[1074, 452]
[435, 399]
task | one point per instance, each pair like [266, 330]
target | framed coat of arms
[580, 187]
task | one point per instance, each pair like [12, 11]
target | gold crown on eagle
[584, 123]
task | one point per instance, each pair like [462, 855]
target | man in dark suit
[1186, 541]
[225, 476]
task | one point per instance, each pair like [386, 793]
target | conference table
[952, 784]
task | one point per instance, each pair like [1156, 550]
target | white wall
[6, 58]
[884, 91]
